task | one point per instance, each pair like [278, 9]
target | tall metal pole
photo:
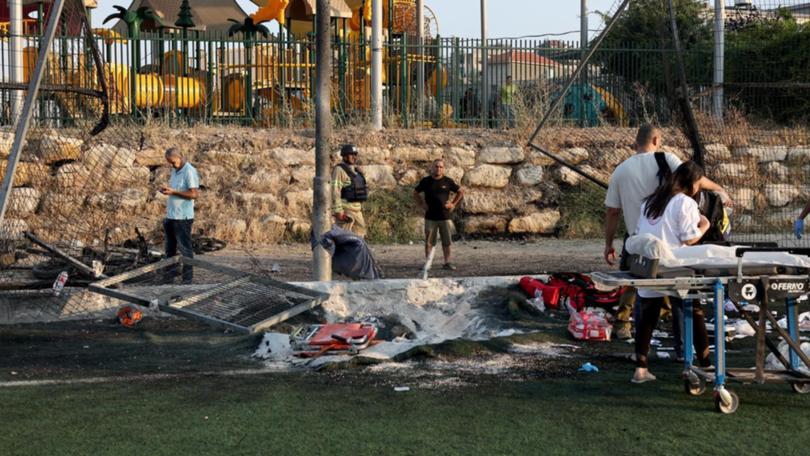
[321, 262]
[420, 63]
[28, 106]
[16, 59]
[555, 105]
[583, 44]
[376, 65]
[484, 66]
[719, 58]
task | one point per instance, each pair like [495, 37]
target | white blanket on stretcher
[651, 247]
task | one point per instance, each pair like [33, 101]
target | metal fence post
[249, 79]
[437, 72]
[454, 79]
[209, 108]
[405, 79]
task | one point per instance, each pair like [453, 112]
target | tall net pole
[719, 57]
[484, 66]
[321, 264]
[376, 65]
[16, 60]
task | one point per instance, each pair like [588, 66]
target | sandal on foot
[648, 377]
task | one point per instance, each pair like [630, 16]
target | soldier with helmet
[348, 192]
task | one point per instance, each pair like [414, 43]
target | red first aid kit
[588, 325]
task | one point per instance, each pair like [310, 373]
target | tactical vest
[356, 190]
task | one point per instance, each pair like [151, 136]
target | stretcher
[761, 284]
[335, 339]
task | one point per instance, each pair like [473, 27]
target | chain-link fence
[756, 145]
[264, 76]
[78, 176]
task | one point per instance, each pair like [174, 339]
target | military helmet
[348, 149]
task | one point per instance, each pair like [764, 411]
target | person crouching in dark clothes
[671, 215]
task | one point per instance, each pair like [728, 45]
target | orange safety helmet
[129, 316]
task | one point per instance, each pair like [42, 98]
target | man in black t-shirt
[438, 206]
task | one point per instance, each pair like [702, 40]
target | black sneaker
[449, 267]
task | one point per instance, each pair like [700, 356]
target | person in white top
[670, 214]
[632, 181]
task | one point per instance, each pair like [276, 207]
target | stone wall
[257, 187]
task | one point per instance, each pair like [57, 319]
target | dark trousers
[178, 236]
[649, 313]
[700, 335]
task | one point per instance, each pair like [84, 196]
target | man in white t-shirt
[633, 180]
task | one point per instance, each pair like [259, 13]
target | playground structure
[212, 62]
[158, 67]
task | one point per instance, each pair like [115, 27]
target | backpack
[711, 206]
[709, 203]
[581, 292]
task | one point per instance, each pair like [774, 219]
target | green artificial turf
[315, 414]
[547, 409]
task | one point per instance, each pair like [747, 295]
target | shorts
[444, 228]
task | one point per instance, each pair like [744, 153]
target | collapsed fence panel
[215, 294]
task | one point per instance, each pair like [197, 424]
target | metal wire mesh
[212, 293]
[756, 146]
[78, 184]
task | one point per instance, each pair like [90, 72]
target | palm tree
[133, 19]
[249, 30]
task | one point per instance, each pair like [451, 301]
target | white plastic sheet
[707, 255]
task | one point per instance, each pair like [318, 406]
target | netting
[216, 294]
[81, 184]
[751, 125]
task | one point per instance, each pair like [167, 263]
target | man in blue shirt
[183, 189]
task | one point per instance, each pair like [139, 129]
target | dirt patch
[473, 258]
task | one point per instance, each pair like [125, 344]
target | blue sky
[507, 18]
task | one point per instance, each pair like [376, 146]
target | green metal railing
[270, 81]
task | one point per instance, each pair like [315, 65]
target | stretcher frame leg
[719, 337]
[688, 335]
[791, 314]
[762, 329]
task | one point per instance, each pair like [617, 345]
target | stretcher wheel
[694, 385]
[800, 388]
[724, 408]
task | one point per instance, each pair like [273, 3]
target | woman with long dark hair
[671, 214]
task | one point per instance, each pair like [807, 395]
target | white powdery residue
[495, 365]
[388, 350]
[433, 310]
[442, 383]
[388, 367]
[547, 349]
[274, 347]
[436, 292]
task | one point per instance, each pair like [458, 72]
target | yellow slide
[269, 10]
